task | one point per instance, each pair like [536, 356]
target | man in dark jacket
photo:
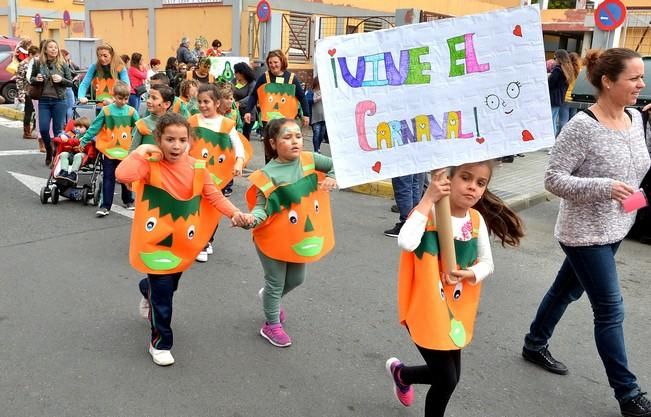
[183, 54]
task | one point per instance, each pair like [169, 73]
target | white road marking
[36, 183]
[20, 152]
[13, 124]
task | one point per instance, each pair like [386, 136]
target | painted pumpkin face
[115, 138]
[301, 214]
[217, 150]
[167, 233]
[278, 100]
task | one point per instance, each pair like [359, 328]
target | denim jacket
[48, 71]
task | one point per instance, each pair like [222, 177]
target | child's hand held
[328, 184]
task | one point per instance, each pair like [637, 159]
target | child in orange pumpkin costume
[177, 209]
[112, 133]
[439, 309]
[293, 225]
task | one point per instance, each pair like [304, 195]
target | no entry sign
[610, 15]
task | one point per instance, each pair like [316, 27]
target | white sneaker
[144, 308]
[209, 249]
[202, 256]
[161, 357]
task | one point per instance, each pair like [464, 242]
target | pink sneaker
[275, 334]
[282, 316]
[404, 393]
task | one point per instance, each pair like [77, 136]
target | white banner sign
[436, 94]
[222, 66]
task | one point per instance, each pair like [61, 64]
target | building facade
[17, 19]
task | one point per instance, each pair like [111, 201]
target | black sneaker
[227, 192]
[62, 175]
[395, 209]
[545, 360]
[395, 231]
[73, 177]
[639, 406]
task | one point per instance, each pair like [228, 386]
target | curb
[382, 189]
[11, 113]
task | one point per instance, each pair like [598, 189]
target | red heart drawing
[377, 167]
[526, 136]
[480, 140]
[332, 51]
[517, 31]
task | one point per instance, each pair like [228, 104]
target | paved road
[72, 344]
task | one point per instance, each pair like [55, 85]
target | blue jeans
[51, 109]
[555, 112]
[318, 130]
[159, 290]
[564, 115]
[70, 102]
[407, 191]
[591, 269]
[108, 184]
[134, 101]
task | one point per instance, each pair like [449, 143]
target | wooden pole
[446, 237]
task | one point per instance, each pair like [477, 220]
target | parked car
[583, 96]
[8, 88]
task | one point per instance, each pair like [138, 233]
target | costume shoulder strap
[142, 127]
[197, 184]
[291, 78]
[131, 111]
[267, 77]
[194, 120]
[154, 174]
[107, 111]
[307, 162]
[227, 125]
[262, 182]
[476, 222]
[211, 78]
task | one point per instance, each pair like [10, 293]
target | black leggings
[442, 371]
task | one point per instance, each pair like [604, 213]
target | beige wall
[450, 7]
[125, 30]
[173, 23]
[55, 29]
[58, 5]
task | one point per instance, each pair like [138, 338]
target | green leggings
[77, 159]
[279, 278]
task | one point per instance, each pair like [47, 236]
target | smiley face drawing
[505, 104]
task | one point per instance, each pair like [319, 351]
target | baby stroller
[88, 183]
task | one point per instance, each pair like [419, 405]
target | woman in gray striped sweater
[599, 159]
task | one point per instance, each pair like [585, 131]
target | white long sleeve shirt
[414, 228]
[215, 124]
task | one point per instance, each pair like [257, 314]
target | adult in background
[269, 88]
[198, 51]
[244, 85]
[562, 75]
[102, 75]
[70, 94]
[137, 78]
[53, 75]
[171, 70]
[22, 84]
[125, 59]
[214, 49]
[183, 53]
[317, 120]
[566, 112]
[599, 159]
[154, 67]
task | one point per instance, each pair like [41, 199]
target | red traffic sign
[263, 10]
[66, 17]
[38, 22]
[610, 15]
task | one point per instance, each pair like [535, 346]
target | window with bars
[296, 37]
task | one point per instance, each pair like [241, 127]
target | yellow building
[17, 19]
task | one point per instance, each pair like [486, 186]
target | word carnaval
[420, 128]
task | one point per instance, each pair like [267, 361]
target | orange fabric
[301, 234]
[115, 142]
[219, 162]
[161, 243]
[427, 306]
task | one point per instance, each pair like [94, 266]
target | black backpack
[641, 230]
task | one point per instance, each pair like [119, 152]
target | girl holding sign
[439, 309]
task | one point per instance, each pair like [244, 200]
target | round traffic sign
[38, 22]
[263, 10]
[610, 15]
[66, 17]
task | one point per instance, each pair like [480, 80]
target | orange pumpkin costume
[439, 316]
[277, 100]
[217, 149]
[299, 226]
[114, 138]
[167, 232]
[146, 132]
